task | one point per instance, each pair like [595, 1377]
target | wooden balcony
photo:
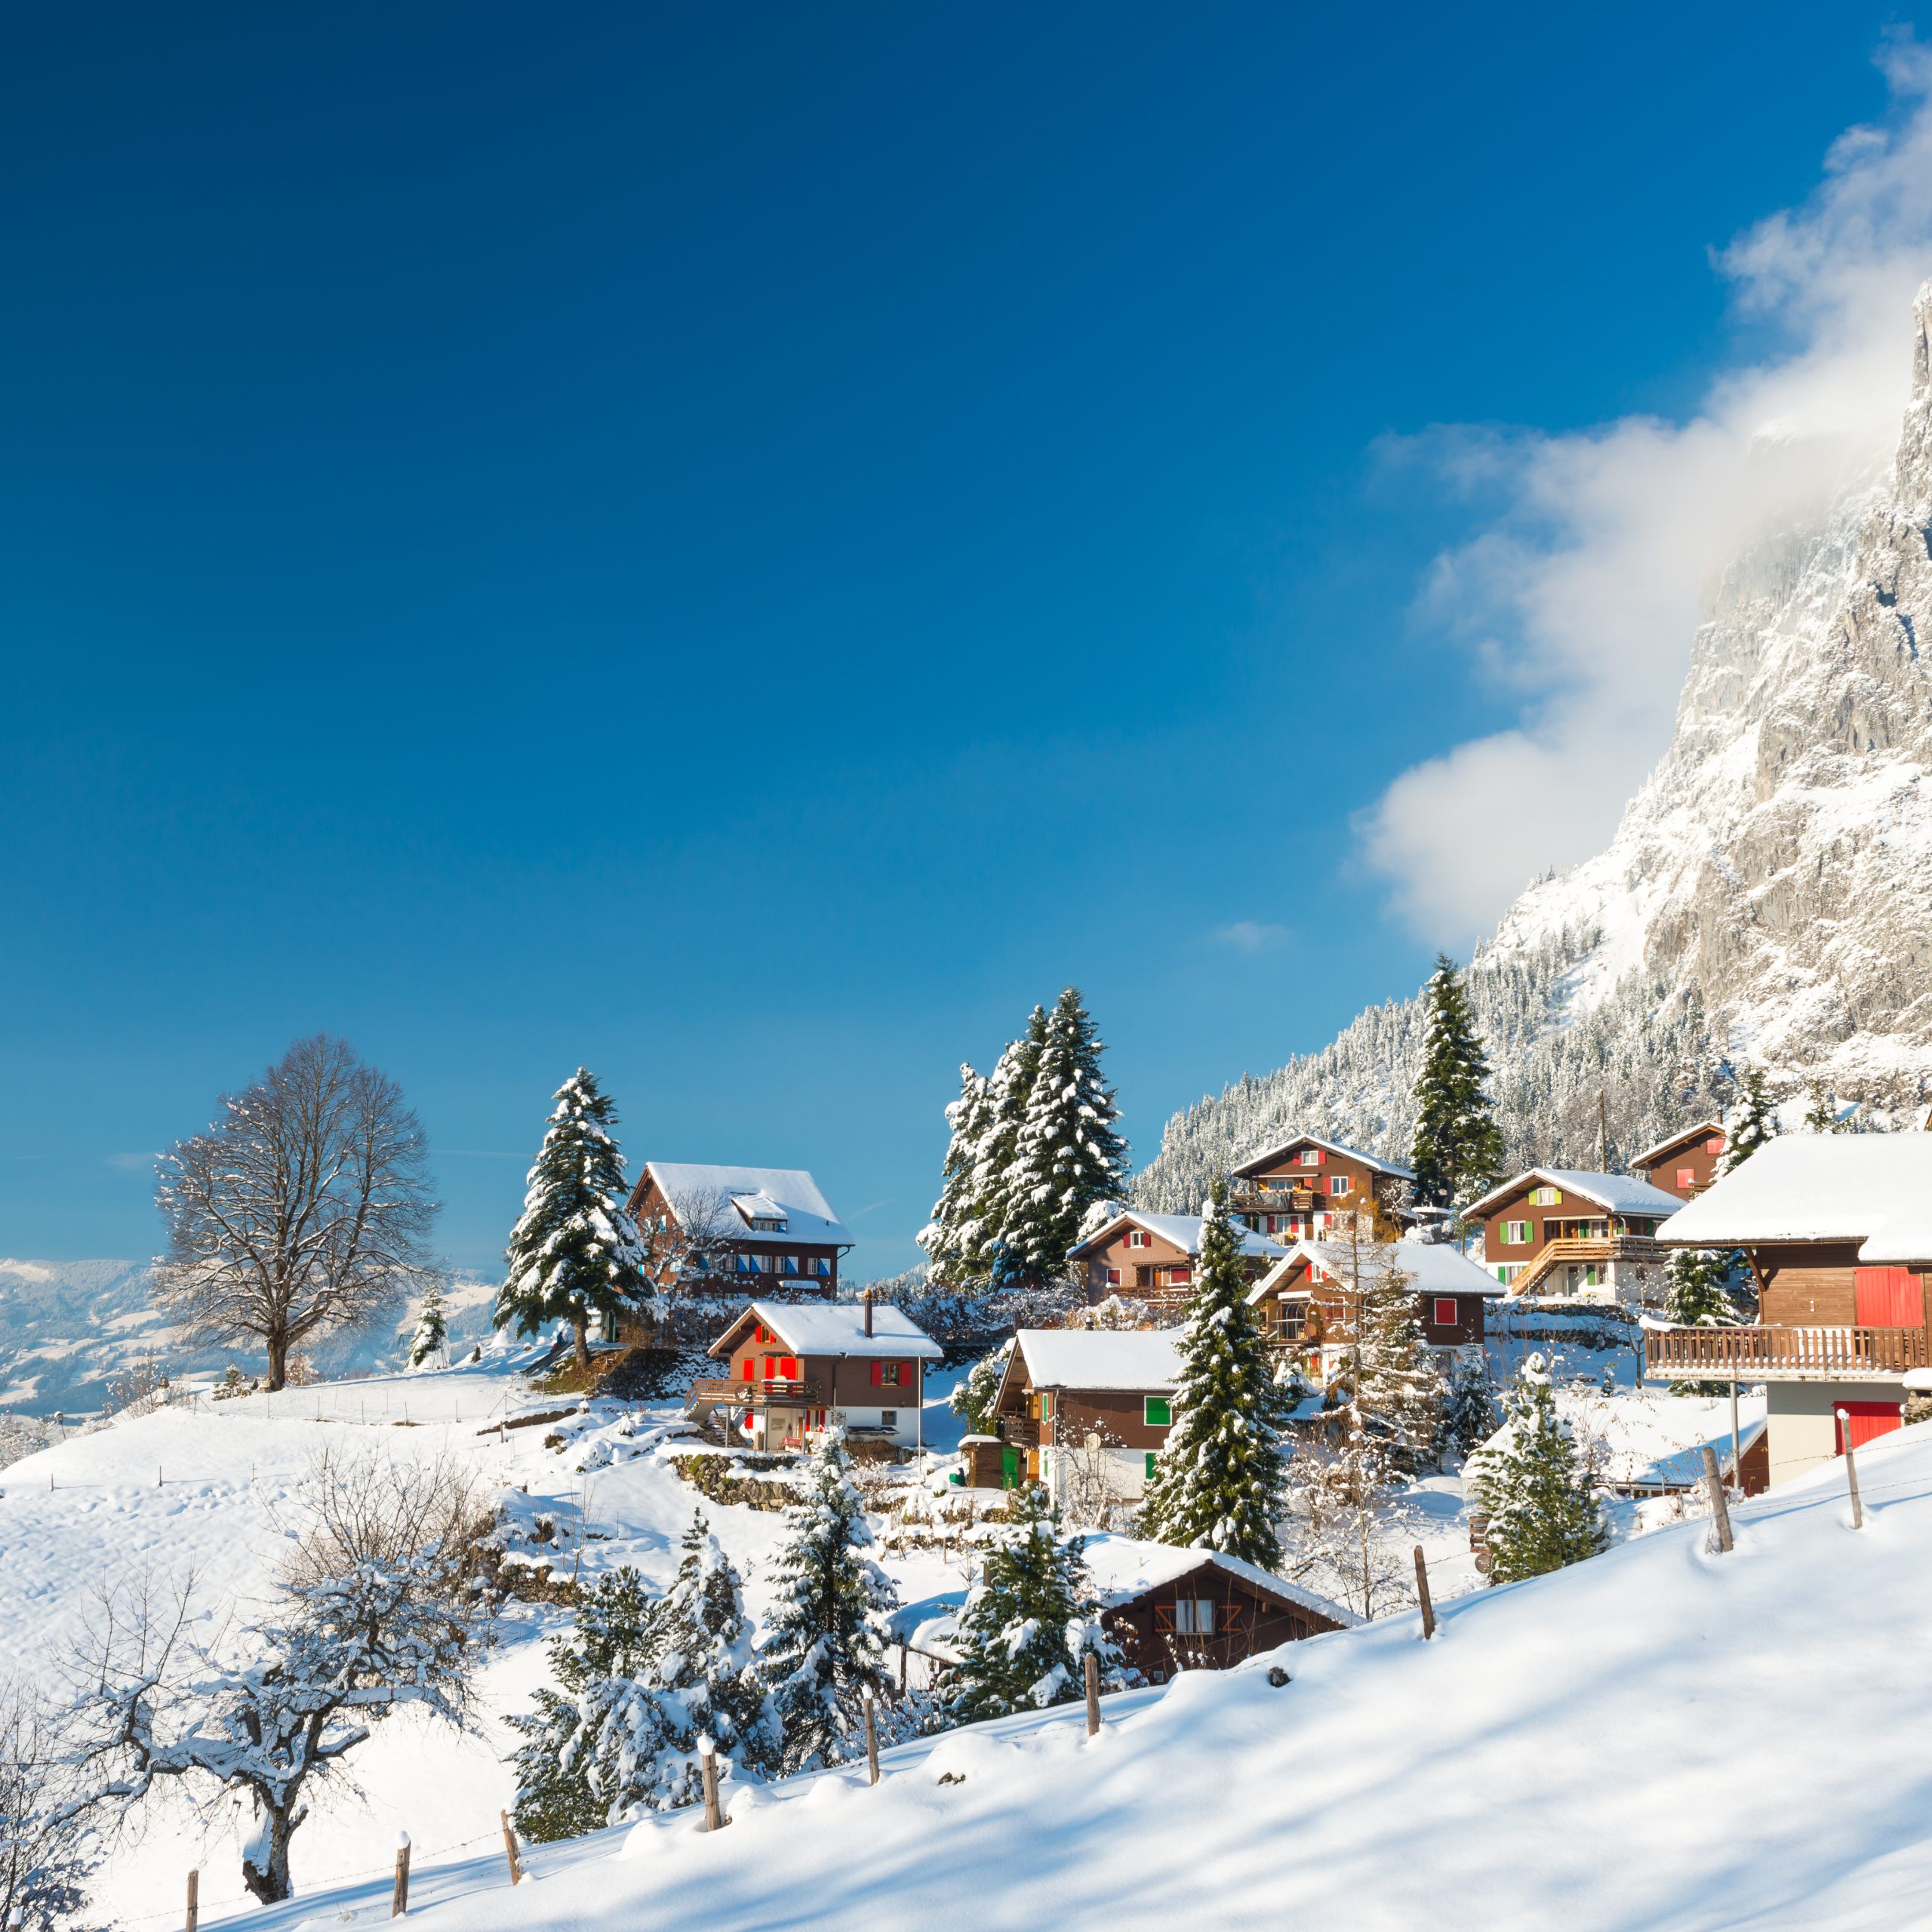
[1246, 1198]
[775, 1394]
[1786, 1354]
[1579, 1250]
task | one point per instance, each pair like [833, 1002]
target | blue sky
[743, 547]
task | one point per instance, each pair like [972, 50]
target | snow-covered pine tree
[1696, 1283]
[1398, 1387]
[432, 1329]
[1754, 1122]
[1009, 1090]
[1471, 1415]
[823, 1647]
[1217, 1479]
[1544, 1512]
[1822, 1116]
[576, 1252]
[976, 1391]
[954, 1239]
[1458, 1146]
[1029, 1620]
[1069, 1152]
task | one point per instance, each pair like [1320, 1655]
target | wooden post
[901, 1666]
[707, 1760]
[509, 1849]
[1092, 1693]
[1422, 1594]
[1851, 1472]
[194, 1901]
[1720, 1508]
[399, 1900]
[872, 1742]
[1736, 1453]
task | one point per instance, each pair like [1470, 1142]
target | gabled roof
[1376, 1161]
[1124, 1568]
[1433, 1267]
[1100, 1358]
[1874, 1189]
[1619, 1194]
[1651, 1157]
[1182, 1231]
[788, 1191]
[834, 1328]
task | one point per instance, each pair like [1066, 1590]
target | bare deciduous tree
[304, 1206]
[694, 1240]
[44, 1840]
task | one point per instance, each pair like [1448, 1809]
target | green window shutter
[1150, 1465]
[1158, 1412]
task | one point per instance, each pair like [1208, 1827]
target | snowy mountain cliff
[1767, 897]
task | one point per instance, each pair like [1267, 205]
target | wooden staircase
[1576, 1249]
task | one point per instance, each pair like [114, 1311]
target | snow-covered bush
[976, 1391]
[1470, 1414]
[1536, 1484]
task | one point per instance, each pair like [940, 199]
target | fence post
[707, 1760]
[901, 1666]
[1851, 1471]
[509, 1849]
[194, 1900]
[1422, 1593]
[1093, 1668]
[1720, 1508]
[399, 1902]
[872, 1742]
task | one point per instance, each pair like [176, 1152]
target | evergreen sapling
[427, 1345]
[1542, 1501]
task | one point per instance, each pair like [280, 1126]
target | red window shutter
[878, 1374]
[1445, 1311]
[771, 1366]
[905, 1375]
[1687, 1177]
[1866, 1420]
[791, 1368]
[1888, 1298]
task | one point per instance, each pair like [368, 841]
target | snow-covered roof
[1875, 1188]
[789, 1193]
[1648, 1439]
[1650, 1156]
[1123, 1569]
[1377, 1161]
[1183, 1231]
[1101, 1357]
[1620, 1194]
[1433, 1267]
[836, 1328]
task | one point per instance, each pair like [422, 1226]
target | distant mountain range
[69, 1328]
[1767, 897]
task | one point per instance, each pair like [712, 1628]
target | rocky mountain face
[1767, 897]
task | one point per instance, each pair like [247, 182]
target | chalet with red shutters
[791, 1367]
[1152, 1257]
[1310, 1301]
[1294, 1192]
[1563, 1232]
[1837, 1229]
[1687, 1163]
[766, 1231]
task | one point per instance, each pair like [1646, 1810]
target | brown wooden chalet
[1561, 1231]
[1294, 1190]
[766, 1231]
[1152, 1257]
[1836, 1230]
[1687, 1163]
[1310, 1301]
[1197, 1610]
[791, 1367]
[1083, 1412]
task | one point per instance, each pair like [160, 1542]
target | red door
[1867, 1421]
[1888, 1298]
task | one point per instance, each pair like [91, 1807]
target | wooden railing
[775, 1393]
[1572, 1250]
[1249, 1200]
[1751, 1353]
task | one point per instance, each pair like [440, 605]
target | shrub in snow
[824, 1648]
[975, 1392]
[1457, 1151]
[642, 1682]
[1029, 1620]
[575, 1252]
[1217, 1478]
[1541, 1499]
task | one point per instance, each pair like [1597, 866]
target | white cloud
[1249, 935]
[1580, 600]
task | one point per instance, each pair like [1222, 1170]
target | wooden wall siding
[1363, 1190]
[1808, 1285]
[1130, 1262]
[1700, 1161]
[1327, 1313]
[1118, 1416]
[1261, 1622]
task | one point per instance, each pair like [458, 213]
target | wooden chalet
[1837, 1231]
[1083, 1412]
[1197, 1610]
[767, 1231]
[1687, 1163]
[792, 1367]
[1310, 1301]
[1152, 1257]
[1294, 1190]
[1563, 1232]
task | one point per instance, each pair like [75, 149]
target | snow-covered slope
[1768, 894]
[1660, 1739]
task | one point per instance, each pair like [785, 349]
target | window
[1687, 1177]
[1149, 1471]
[1310, 1157]
[892, 1375]
[1137, 1238]
[822, 1267]
[1338, 1184]
[1194, 1616]
[1113, 1278]
[1714, 1145]
[1444, 1316]
[1177, 1276]
[763, 1334]
[888, 1418]
[1157, 1411]
[1514, 1232]
[791, 1267]
[1545, 1197]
